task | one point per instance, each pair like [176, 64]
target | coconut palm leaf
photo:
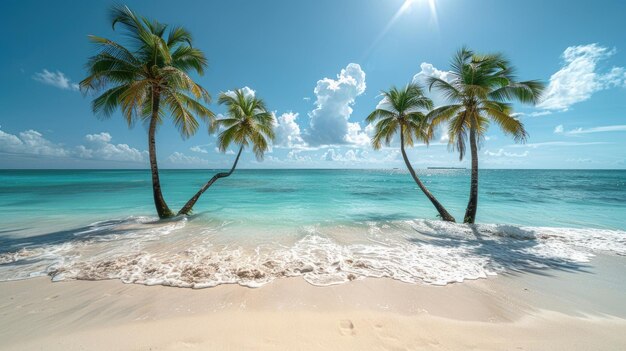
[401, 113]
[479, 91]
[148, 80]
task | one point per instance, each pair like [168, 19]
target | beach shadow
[507, 247]
[101, 229]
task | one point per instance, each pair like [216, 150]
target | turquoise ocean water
[328, 226]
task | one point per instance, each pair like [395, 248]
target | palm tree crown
[146, 80]
[479, 91]
[400, 111]
[248, 123]
[152, 71]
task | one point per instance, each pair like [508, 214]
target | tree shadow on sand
[508, 249]
[99, 230]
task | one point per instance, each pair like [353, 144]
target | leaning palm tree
[248, 123]
[479, 91]
[147, 79]
[401, 112]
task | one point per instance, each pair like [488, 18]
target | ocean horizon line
[436, 168]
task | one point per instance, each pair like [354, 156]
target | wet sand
[526, 310]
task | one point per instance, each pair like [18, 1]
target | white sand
[544, 310]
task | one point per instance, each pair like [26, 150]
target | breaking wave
[199, 254]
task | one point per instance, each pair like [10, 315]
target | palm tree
[248, 123]
[146, 79]
[479, 91]
[400, 113]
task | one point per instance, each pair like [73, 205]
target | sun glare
[406, 7]
[407, 4]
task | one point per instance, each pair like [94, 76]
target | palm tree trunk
[159, 202]
[189, 205]
[472, 204]
[442, 211]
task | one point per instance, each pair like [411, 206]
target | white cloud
[199, 149]
[578, 79]
[601, 129]
[56, 79]
[288, 132]
[420, 78]
[296, 155]
[178, 158]
[334, 97]
[227, 152]
[30, 142]
[540, 113]
[392, 155]
[349, 156]
[330, 155]
[357, 136]
[428, 70]
[501, 153]
[558, 129]
[247, 91]
[99, 147]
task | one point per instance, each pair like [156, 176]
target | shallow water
[328, 226]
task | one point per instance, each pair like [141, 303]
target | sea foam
[196, 254]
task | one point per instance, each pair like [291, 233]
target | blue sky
[320, 66]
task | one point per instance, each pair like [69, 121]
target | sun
[409, 3]
[402, 11]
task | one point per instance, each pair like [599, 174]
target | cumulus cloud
[349, 156]
[501, 153]
[99, 147]
[247, 91]
[333, 100]
[30, 142]
[579, 78]
[602, 129]
[55, 79]
[298, 156]
[358, 136]
[429, 70]
[288, 132]
[420, 78]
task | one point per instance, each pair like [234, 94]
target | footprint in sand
[346, 327]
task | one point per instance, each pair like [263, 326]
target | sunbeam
[406, 7]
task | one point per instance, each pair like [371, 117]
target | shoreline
[549, 309]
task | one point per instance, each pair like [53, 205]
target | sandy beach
[313, 175]
[542, 310]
